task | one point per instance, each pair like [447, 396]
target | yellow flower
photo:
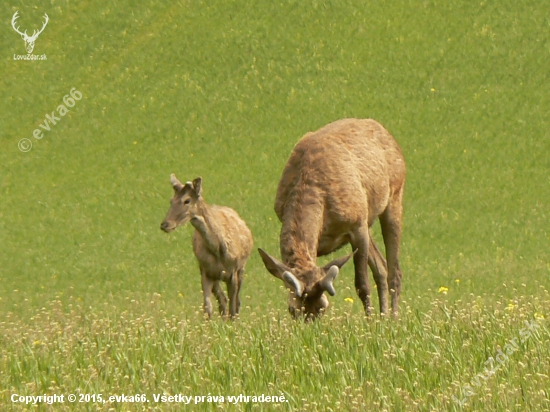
[511, 306]
[350, 300]
[539, 316]
[457, 281]
[443, 290]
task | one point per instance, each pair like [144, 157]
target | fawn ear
[197, 185]
[176, 184]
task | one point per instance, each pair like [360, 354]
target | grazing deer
[337, 182]
[29, 40]
[222, 242]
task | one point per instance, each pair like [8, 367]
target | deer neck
[302, 224]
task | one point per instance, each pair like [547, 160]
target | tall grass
[422, 361]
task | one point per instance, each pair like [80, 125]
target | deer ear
[339, 262]
[197, 185]
[273, 265]
[176, 184]
[283, 272]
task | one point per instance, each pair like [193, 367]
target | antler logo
[29, 40]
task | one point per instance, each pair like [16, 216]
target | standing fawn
[222, 243]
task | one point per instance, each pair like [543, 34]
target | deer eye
[187, 201]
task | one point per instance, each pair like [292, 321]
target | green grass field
[95, 299]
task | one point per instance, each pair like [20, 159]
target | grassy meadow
[95, 299]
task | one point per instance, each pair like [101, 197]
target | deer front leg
[379, 268]
[360, 241]
[207, 285]
[222, 300]
[390, 221]
[233, 291]
[240, 274]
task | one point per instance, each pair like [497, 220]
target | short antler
[296, 284]
[326, 282]
[176, 184]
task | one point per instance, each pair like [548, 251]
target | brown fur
[222, 243]
[337, 182]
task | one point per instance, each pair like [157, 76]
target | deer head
[183, 205]
[29, 40]
[306, 286]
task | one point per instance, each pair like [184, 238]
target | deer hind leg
[220, 296]
[233, 292]
[360, 241]
[390, 221]
[379, 268]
